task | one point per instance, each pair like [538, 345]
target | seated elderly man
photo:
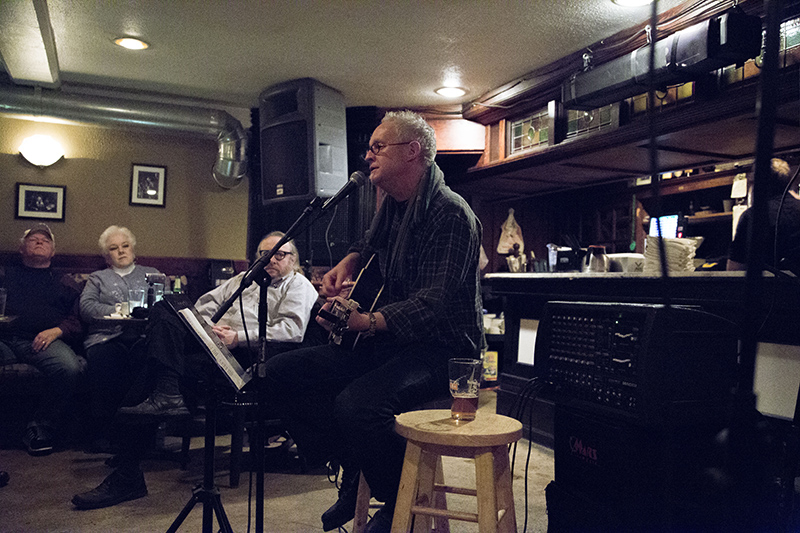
[46, 307]
[173, 359]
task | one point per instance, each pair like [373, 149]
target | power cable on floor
[525, 400]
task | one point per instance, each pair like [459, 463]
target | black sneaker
[38, 440]
[118, 487]
[344, 509]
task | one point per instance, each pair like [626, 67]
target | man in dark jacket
[426, 242]
[46, 311]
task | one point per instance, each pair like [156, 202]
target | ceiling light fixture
[450, 92]
[41, 150]
[131, 43]
[632, 3]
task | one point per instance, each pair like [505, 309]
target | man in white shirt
[170, 356]
[290, 297]
[289, 300]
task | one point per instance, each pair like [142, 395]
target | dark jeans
[111, 369]
[167, 343]
[170, 344]
[340, 403]
[61, 368]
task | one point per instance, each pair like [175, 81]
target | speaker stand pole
[207, 493]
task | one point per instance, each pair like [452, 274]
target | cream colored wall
[200, 219]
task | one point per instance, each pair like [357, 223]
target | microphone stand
[746, 461]
[257, 274]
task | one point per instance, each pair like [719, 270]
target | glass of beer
[465, 380]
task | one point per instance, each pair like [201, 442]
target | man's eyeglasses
[376, 148]
[279, 255]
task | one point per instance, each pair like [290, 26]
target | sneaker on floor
[118, 487]
[38, 440]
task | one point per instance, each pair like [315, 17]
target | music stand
[207, 493]
[257, 274]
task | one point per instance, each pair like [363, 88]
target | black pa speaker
[303, 141]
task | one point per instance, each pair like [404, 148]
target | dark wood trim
[534, 90]
[196, 270]
[711, 155]
[692, 183]
[734, 102]
[602, 167]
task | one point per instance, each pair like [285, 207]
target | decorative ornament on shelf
[510, 234]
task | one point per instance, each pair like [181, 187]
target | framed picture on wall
[148, 185]
[40, 201]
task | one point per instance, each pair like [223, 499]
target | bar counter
[718, 292]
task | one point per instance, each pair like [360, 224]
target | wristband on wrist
[373, 324]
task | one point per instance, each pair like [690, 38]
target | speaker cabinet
[643, 478]
[303, 141]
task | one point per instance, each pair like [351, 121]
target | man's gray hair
[410, 126]
[113, 230]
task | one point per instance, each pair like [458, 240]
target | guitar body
[363, 297]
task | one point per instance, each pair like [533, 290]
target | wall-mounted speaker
[303, 136]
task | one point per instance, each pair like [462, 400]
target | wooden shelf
[711, 217]
[699, 182]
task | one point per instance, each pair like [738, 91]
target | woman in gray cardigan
[110, 348]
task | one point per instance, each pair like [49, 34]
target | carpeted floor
[37, 499]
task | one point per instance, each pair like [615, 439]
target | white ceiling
[386, 54]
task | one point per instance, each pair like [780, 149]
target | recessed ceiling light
[130, 43]
[450, 92]
[632, 3]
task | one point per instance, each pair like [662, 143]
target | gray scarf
[416, 210]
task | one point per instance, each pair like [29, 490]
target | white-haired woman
[108, 346]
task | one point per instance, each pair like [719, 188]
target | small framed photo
[40, 201]
[148, 185]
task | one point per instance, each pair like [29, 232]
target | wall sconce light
[41, 150]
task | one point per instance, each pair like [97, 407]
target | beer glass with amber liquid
[465, 380]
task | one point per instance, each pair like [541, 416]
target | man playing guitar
[425, 239]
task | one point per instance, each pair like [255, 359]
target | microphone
[357, 179]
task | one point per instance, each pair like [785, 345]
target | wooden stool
[365, 493]
[432, 434]
[364, 496]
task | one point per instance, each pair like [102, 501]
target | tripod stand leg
[183, 514]
[207, 493]
[222, 518]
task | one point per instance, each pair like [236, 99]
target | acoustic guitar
[363, 297]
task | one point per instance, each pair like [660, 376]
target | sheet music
[237, 376]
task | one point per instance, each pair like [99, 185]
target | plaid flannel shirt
[438, 300]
